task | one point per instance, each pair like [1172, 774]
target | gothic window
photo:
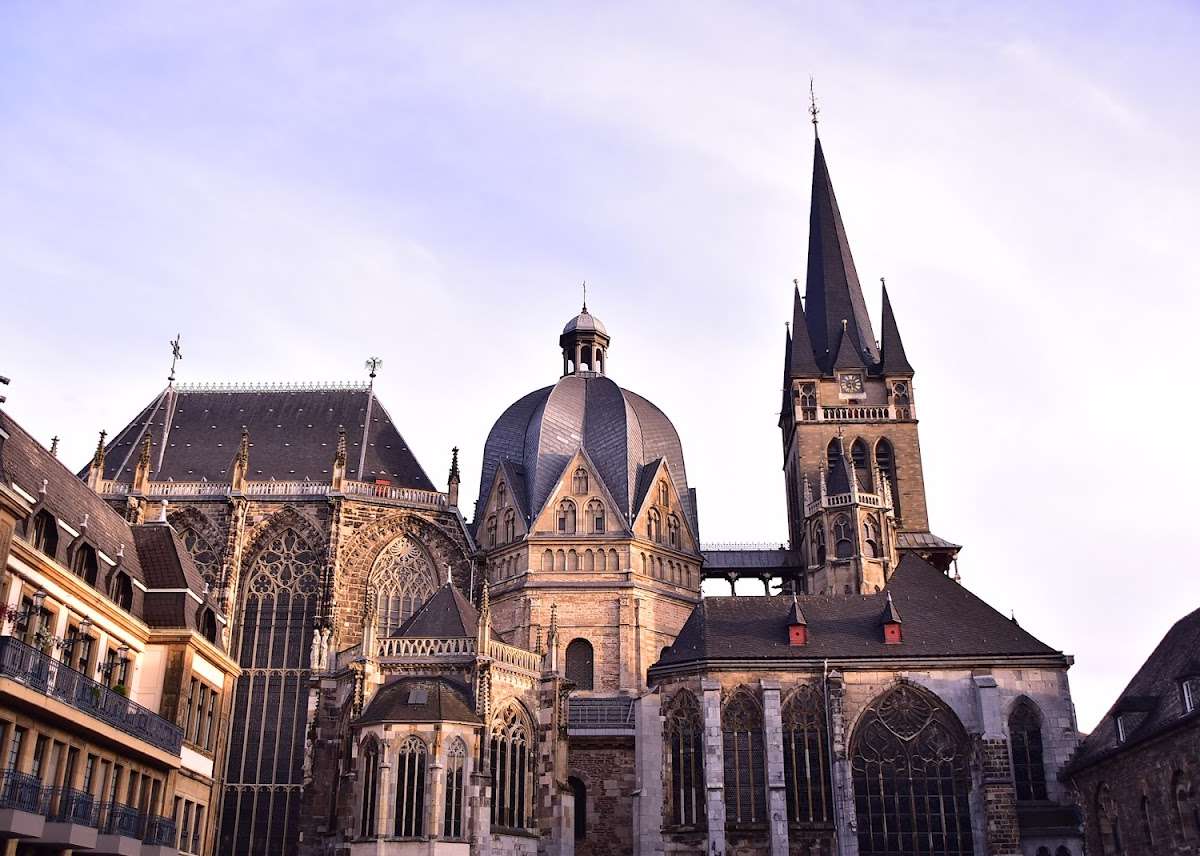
[501, 495]
[402, 579]
[580, 482]
[673, 531]
[121, 591]
[902, 398]
[806, 757]
[203, 555]
[1108, 824]
[456, 765]
[1025, 738]
[872, 537]
[654, 525]
[912, 779]
[580, 663]
[85, 563]
[684, 774]
[664, 494]
[833, 454]
[595, 511]
[370, 791]
[862, 461]
[45, 533]
[410, 789]
[843, 544]
[745, 777]
[491, 530]
[566, 517]
[512, 768]
[510, 526]
[1185, 809]
[808, 400]
[885, 462]
[818, 543]
[267, 728]
[579, 792]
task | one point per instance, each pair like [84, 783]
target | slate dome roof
[624, 434]
[585, 321]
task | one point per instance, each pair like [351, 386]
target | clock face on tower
[850, 383]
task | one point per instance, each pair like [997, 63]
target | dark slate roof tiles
[447, 613]
[420, 700]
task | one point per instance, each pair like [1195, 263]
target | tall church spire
[801, 361]
[892, 354]
[832, 291]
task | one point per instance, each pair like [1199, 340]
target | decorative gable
[661, 516]
[502, 520]
[580, 503]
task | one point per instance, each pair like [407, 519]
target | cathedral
[546, 677]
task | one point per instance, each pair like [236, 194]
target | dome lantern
[584, 343]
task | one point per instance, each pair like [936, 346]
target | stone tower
[852, 458]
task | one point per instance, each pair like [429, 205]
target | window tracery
[806, 768]
[654, 525]
[410, 789]
[204, 557]
[1025, 739]
[566, 517]
[512, 770]
[745, 774]
[595, 510]
[664, 494]
[580, 482]
[910, 765]
[843, 545]
[872, 537]
[510, 526]
[818, 543]
[456, 765]
[402, 578]
[684, 774]
[673, 531]
[490, 530]
[370, 791]
[885, 462]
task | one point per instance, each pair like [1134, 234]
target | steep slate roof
[750, 561]
[620, 431]
[941, 619]
[800, 359]
[420, 700]
[832, 289]
[169, 570]
[1154, 690]
[25, 463]
[892, 357]
[446, 613]
[293, 435]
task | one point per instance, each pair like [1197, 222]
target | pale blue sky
[294, 187]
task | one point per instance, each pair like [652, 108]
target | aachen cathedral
[546, 678]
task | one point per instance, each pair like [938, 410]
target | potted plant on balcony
[121, 690]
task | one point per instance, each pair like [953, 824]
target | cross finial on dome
[585, 295]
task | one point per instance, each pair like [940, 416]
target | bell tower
[849, 407]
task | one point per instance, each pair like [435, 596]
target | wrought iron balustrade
[607, 713]
[20, 791]
[121, 819]
[67, 805]
[55, 679]
[160, 831]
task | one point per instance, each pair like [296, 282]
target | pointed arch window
[833, 454]
[501, 495]
[885, 462]
[491, 530]
[410, 789]
[818, 543]
[510, 526]
[654, 525]
[843, 535]
[203, 555]
[673, 531]
[595, 512]
[512, 770]
[456, 766]
[85, 563]
[580, 663]
[808, 401]
[566, 517]
[806, 757]
[902, 399]
[910, 762]
[370, 791]
[45, 533]
[1025, 738]
[745, 774]
[684, 774]
[402, 578]
[862, 461]
[872, 537]
[580, 482]
[208, 625]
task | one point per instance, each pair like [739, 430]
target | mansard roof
[619, 430]
[1153, 691]
[447, 613]
[170, 575]
[942, 619]
[436, 699]
[293, 434]
[25, 464]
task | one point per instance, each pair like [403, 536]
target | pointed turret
[892, 357]
[802, 362]
[339, 461]
[141, 473]
[832, 290]
[241, 464]
[96, 470]
[847, 355]
[453, 480]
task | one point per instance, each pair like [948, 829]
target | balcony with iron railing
[291, 488]
[50, 677]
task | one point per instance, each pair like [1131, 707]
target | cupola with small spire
[890, 621]
[797, 626]
[584, 342]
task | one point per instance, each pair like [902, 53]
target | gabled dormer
[580, 503]
[659, 514]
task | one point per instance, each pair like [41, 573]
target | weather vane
[373, 364]
[176, 356]
[585, 295]
[813, 109]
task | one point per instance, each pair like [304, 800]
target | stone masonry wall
[606, 768]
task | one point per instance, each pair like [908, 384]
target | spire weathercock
[176, 356]
[813, 109]
[372, 365]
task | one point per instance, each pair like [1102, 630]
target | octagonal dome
[585, 321]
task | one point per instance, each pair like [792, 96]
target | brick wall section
[999, 798]
[606, 768]
[1145, 770]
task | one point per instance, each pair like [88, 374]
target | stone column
[998, 788]
[777, 817]
[628, 679]
[714, 765]
[648, 765]
[436, 799]
[845, 820]
[385, 801]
